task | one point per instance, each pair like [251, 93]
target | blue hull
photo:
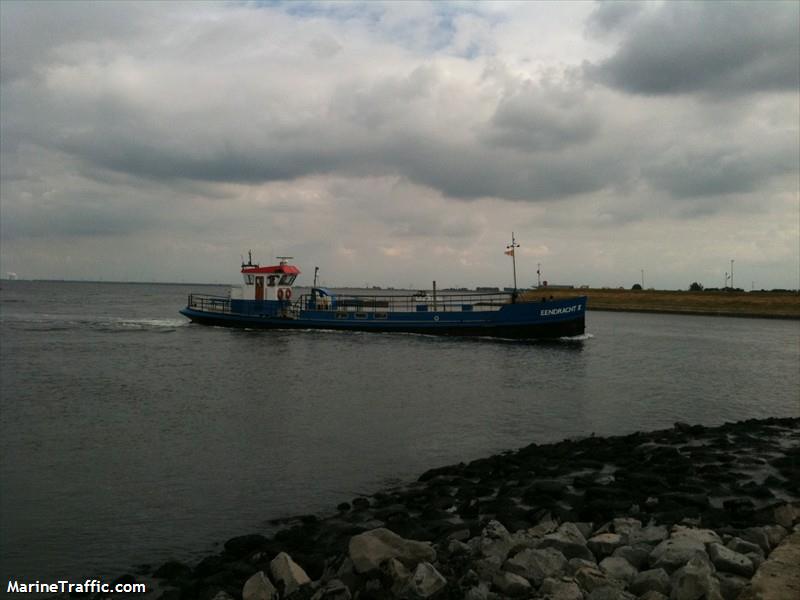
[523, 320]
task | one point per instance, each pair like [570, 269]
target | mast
[510, 250]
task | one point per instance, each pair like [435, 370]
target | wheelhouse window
[249, 279]
[288, 279]
[271, 279]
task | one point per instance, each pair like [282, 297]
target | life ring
[280, 293]
[287, 294]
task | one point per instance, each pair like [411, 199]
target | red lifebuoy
[288, 294]
[280, 293]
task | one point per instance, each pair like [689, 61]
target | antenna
[316, 270]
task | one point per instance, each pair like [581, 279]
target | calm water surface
[128, 436]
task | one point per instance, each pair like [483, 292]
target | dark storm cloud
[612, 15]
[721, 171]
[716, 47]
[542, 120]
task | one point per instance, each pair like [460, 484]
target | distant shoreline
[761, 305]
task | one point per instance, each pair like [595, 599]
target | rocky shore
[685, 513]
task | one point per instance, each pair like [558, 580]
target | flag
[510, 252]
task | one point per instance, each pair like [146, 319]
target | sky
[398, 143]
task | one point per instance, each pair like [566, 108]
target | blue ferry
[267, 300]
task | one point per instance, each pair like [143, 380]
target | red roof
[286, 269]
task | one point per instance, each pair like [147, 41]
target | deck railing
[208, 303]
[346, 303]
[441, 302]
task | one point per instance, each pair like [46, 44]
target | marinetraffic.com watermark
[90, 586]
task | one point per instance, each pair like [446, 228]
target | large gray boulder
[590, 579]
[637, 554]
[626, 526]
[618, 568]
[695, 580]
[704, 536]
[288, 574]
[727, 560]
[652, 580]
[730, 586]
[568, 540]
[424, 583]
[537, 564]
[651, 535]
[561, 589]
[494, 541]
[369, 549]
[259, 587]
[741, 546]
[673, 553]
[511, 585]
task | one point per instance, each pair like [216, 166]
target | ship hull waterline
[550, 329]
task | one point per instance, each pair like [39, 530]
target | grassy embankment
[781, 305]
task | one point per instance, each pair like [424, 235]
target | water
[128, 436]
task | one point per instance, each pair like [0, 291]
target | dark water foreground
[732, 487]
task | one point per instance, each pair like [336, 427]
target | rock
[495, 540]
[727, 560]
[758, 536]
[704, 536]
[695, 580]
[425, 582]
[626, 526]
[779, 577]
[368, 550]
[287, 574]
[222, 595]
[478, 592]
[672, 554]
[576, 563]
[590, 578]
[604, 544]
[730, 586]
[568, 540]
[546, 525]
[618, 568]
[455, 547]
[486, 568]
[259, 587]
[610, 593]
[775, 534]
[536, 565]
[637, 554]
[397, 573]
[653, 596]
[511, 584]
[333, 590]
[741, 546]
[653, 580]
[561, 589]
[785, 515]
[651, 535]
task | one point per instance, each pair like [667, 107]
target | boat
[266, 300]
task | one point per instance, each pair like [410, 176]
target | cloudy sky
[397, 143]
